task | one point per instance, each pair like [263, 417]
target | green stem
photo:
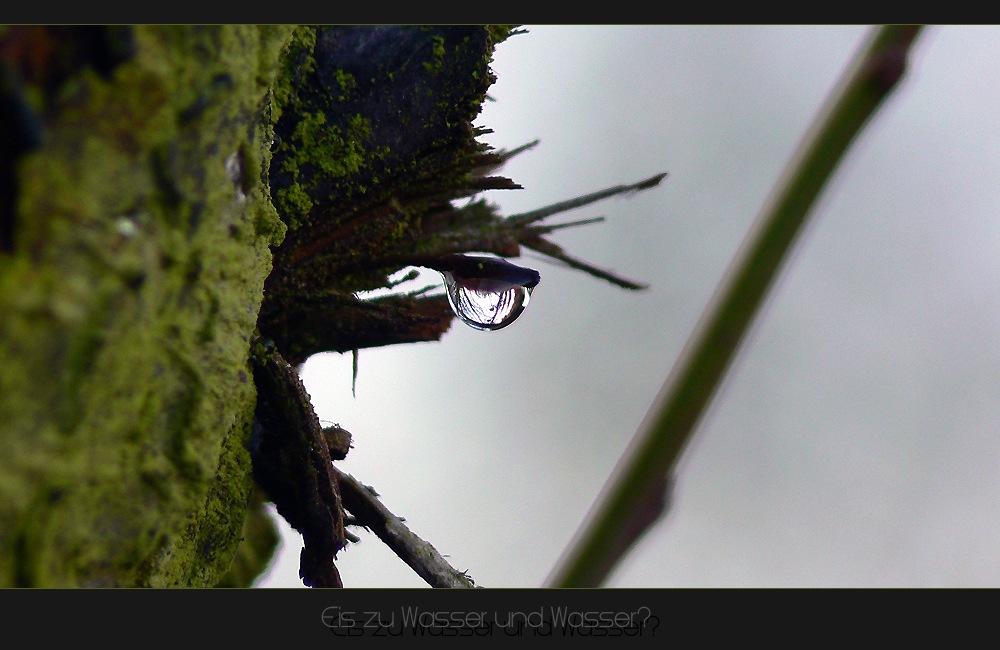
[633, 497]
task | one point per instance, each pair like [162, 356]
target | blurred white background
[855, 442]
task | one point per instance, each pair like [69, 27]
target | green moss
[333, 151]
[499, 33]
[326, 148]
[346, 82]
[212, 535]
[260, 539]
[128, 308]
[436, 61]
[293, 202]
[296, 62]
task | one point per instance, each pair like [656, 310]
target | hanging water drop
[486, 305]
[486, 293]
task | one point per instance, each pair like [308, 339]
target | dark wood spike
[507, 154]
[546, 229]
[562, 206]
[552, 250]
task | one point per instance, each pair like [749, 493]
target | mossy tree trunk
[138, 241]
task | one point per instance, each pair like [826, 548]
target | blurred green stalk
[635, 495]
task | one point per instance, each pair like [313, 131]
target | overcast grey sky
[855, 442]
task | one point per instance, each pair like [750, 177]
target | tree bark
[137, 243]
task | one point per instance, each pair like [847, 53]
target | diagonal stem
[633, 498]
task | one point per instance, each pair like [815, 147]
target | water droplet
[486, 293]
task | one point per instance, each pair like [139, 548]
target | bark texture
[138, 236]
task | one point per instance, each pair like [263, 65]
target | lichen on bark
[129, 294]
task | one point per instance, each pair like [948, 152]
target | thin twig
[507, 154]
[525, 218]
[546, 247]
[552, 227]
[421, 556]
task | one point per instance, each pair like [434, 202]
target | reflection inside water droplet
[487, 293]
[488, 305]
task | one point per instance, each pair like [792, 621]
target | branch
[632, 498]
[421, 556]
[292, 463]
[526, 218]
[552, 250]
